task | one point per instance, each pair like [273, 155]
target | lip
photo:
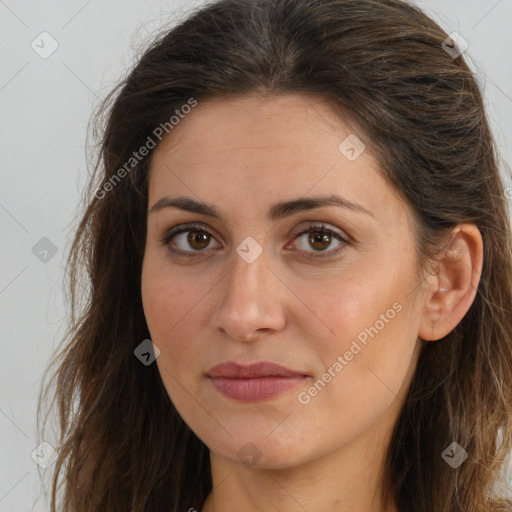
[254, 382]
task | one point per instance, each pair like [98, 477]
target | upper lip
[232, 370]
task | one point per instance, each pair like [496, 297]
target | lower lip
[252, 390]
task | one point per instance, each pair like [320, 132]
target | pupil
[198, 238]
[322, 238]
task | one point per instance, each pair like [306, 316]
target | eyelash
[184, 228]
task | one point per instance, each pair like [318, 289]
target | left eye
[320, 238]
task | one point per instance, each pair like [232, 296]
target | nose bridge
[248, 298]
[249, 267]
[247, 282]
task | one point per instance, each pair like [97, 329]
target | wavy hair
[122, 444]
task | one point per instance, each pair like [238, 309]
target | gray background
[45, 108]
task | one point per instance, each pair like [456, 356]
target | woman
[301, 277]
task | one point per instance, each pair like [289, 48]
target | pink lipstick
[255, 382]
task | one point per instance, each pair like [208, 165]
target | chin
[260, 451]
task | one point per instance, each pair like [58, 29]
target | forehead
[264, 148]
[255, 122]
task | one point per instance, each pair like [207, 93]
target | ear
[452, 287]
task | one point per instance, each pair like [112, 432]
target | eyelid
[323, 226]
[330, 254]
[183, 228]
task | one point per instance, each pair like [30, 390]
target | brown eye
[198, 239]
[187, 240]
[319, 240]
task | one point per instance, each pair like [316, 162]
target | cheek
[171, 305]
[372, 361]
[168, 298]
[370, 350]
[363, 392]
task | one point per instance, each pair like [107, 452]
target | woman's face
[270, 272]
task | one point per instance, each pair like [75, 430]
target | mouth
[255, 382]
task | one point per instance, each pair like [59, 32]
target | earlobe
[454, 284]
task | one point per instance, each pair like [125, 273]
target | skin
[243, 155]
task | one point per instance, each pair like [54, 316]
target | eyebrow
[276, 212]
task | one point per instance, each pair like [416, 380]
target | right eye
[189, 236]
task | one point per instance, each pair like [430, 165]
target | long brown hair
[122, 444]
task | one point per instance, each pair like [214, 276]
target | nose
[250, 301]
